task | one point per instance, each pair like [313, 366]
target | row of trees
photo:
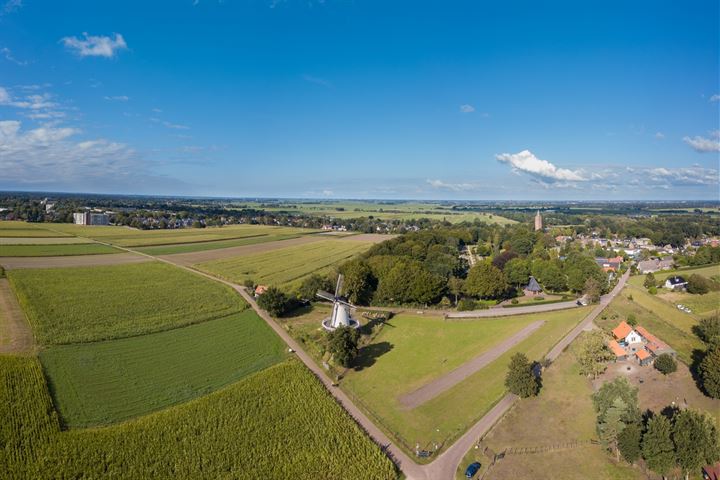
[673, 439]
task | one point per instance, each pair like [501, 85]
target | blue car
[472, 469]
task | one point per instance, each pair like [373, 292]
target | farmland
[84, 304]
[215, 245]
[411, 350]
[286, 266]
[55, 250]
[255, 428]
[14, 229]
[106, 382]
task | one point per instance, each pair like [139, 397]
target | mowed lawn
[130, 237]
[52, 250]
[85, 304]
[561, 413]
[286, 266]
[279, 423]
[106, 382]
[412, 350]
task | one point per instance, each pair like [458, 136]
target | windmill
[340, 316]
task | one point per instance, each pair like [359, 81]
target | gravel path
[15, 333]
[431, 390]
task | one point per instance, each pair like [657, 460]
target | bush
[466, 304]
[699, 285]
[631, 320]
[275, 301]
[342, 343]
[630, 297]
[665, 364]
[539, 299]
[249, 283]
[652, 290]
[514, 301]
[520, 378]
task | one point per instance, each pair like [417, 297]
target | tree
[310, 286]
[520, 379]
[485, 281]
[249, 283]
[592, 290]
[455, 285]
[274, 301]
[631, 319]
[342, 343]
[710, 372]
[629, 442]
[695, 438]
[708, 330]
[517, 271]
[604, 398]
[657, 445]
[650, 280]
[698, 284]
[503, 258]
[358, 281]
[592, 354]
[665, 364]
[579, 267]
[523, 242]
[611, 425]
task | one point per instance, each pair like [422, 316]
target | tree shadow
[697, 357]
[368, 355]
[369, 327]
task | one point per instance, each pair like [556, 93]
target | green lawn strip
[85, 304]
[451, 413]
[202, 246]
[106, 382]
[285, 267]
[277, 423]
[55, 250]
[663, 309]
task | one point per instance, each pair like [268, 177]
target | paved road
[504, 312]
[436, 387]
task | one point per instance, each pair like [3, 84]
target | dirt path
[15, 333]
[192, 258]
[12, 263]
[431, 390]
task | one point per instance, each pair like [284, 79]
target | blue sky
[362, 99]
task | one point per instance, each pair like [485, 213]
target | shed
[620, 353]
[644, 357]
[533, 287]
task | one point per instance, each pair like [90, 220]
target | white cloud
[684, 176]
[466, 108]
[11, 6]
[317, 81]
[702, 144]
[659, 135]
[543, 170]
[95, 46]
[7, 53]
[167, 124]
[715, 98]
[117, 98]
[33, 102]
[455, 187]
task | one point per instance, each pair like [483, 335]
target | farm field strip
[277, 423]
[284, 266]
[106, 382]
[42, 241]
[85, 304]
[72, 261]
[175, 249]
[55, 250]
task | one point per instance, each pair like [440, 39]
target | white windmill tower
[340, 316]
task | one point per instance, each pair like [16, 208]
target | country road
[447, 463]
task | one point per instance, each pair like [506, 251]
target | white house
[676, 283]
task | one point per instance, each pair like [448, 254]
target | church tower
[538, 221]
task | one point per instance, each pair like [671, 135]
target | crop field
[42, 241]
[55, 250]
[204, 246]
[278, 423]
[130, 237]
[28, 230]
[85, 304]
[286, 266]
[106, 382]
[414, 349]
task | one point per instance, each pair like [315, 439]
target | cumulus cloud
[543, 170]
[683, 176]
[117, 98]
[95, 45]
[702, 144]
[455, 187]
[715, 98]
[466, 108]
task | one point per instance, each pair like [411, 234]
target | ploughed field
[277, 423]
[85, 304]
[286, 266]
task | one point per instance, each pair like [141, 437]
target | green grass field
[418, 349]
[106, 382]
[562, 412]
[42, 241]
[203, 246]
[29, 230]
[55, 250]
[84, 304]
[130, 237]
[286, 266]
[707, 271]
[276, 424]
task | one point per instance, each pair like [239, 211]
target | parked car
[472, 469]
[680, 306]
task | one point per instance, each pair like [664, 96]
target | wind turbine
[340, 316]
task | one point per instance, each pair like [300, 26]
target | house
[533, 287]
[655, 265]
[627, 336]
[260, 289]
[644, 357]
[620, 353]
[676, 283]
[638, 343]
[609, 264]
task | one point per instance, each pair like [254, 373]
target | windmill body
[341, 316]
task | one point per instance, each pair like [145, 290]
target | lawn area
[707, 271]
[203, 246]
[663, 309]
[286, 267]
[563, 412]
[130, 237]
[107, 382]
[55, 250]
[85, 304]
[681, 340]
[275, 424]
[412, 350]
[702, 305]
